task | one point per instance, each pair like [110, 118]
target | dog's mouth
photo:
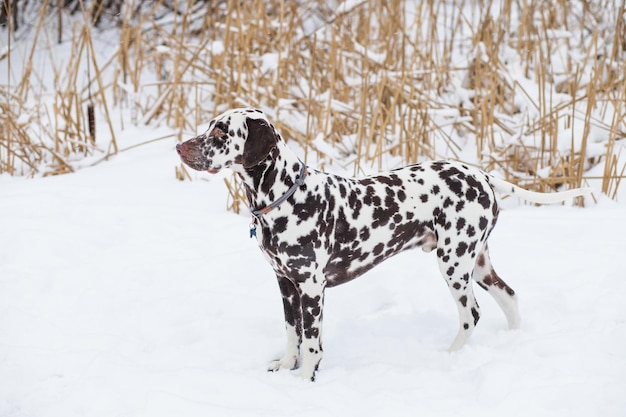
[214, 170]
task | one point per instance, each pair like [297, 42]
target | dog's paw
[287, 362]
[308, 374]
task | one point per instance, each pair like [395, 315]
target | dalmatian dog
[319, 230]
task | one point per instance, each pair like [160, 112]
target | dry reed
[533, 87]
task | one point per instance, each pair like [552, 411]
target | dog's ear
[260, 142]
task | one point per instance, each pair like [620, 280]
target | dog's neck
[269, 180]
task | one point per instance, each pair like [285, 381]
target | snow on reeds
[532, 89]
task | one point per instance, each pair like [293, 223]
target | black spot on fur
[461, 249]
[280, 224]
[463, 300]
[401, 195]
[476, 315]
[453, 178]
[391, 180]
[471, 194]
[484, 200]
[342, 191]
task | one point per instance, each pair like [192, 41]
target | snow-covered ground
[124, 292]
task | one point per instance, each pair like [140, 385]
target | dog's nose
[181, 148]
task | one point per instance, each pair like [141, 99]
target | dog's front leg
[293, 324]
[312, 299]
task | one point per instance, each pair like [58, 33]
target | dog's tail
[505, 187]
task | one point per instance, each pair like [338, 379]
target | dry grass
[536, 88]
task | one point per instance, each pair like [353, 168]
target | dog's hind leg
[457, 271]
[486, 277]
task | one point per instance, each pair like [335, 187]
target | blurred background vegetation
[532, 89]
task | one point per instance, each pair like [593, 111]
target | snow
[128, 293]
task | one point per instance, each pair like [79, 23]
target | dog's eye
[218, 133]
[222, 126]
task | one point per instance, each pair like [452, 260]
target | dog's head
[239, 139]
